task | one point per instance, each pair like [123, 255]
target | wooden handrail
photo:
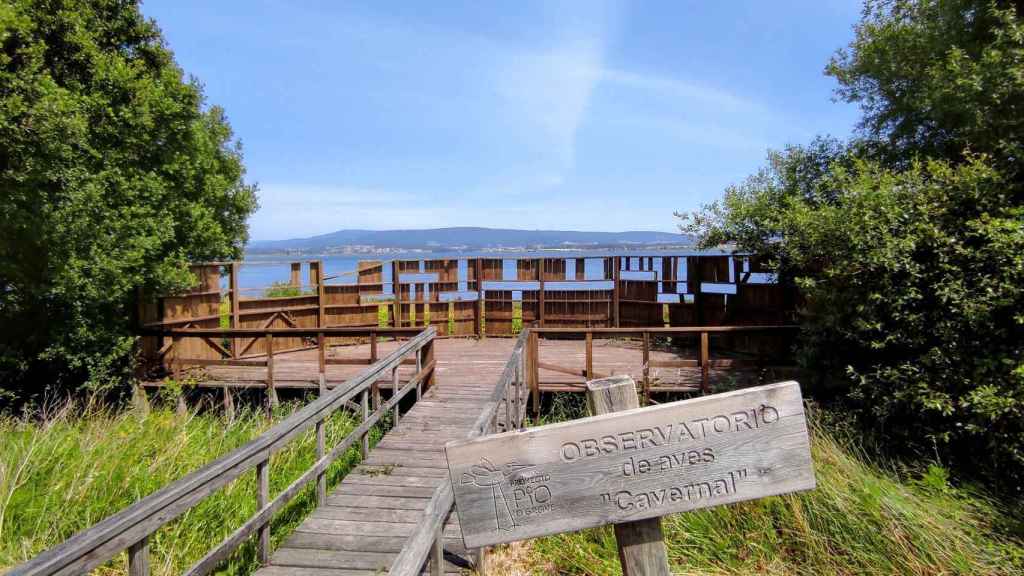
[666, 330]
[424, 541]
[283, 332]
[130, 528]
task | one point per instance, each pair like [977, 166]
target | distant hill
[464, 238]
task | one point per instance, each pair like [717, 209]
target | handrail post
[262, 497]
[365, 440]
[138, 558]
[590, 356]
[419, 368]
[271, 393]
[647, 367]
[520, 376]
[534, 375]
[394, 391]
[705, 385]
[428, 359]
[373, 346]
[437, 554]
[322, 362]
[321, 478]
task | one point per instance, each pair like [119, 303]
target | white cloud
[681, 89]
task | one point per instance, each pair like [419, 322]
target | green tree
[113, 175]
[907, 243]
[938, 78]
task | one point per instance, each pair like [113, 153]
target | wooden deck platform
[299, 369]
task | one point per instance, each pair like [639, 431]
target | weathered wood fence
[457, 297]
[751, 347]
[131, 528]
[179, 354]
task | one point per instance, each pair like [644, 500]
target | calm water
[261, 271]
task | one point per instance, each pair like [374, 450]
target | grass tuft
[71, 470]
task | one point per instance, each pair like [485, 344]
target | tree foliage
[113, 175]
[907, 243]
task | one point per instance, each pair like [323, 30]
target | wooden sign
[631, 465]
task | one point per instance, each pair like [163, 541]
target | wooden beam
[541, 265]
[478, 317]
[641, 542]
[534, 375]
[705, 385]
[647, 367]
[236, 295]
[589, 369]
[321, 296]
[616, 274]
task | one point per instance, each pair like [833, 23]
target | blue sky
[568, 115]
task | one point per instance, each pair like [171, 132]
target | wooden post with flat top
[641, 543]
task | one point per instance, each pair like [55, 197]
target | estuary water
[260, 271]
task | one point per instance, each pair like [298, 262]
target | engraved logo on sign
[487, 475]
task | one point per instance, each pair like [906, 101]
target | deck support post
[229, 403]
[437, 554]
[139, 400]
[262, 497]
[641, 543]
[480, 561]
[138, 558]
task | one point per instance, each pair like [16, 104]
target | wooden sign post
[627, 466]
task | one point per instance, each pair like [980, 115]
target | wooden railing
[508, 399]
[702, 361]
[169, 353]
[131, 528]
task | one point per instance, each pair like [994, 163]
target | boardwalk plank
[367, 517]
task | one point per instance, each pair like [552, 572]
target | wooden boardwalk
[369, 515]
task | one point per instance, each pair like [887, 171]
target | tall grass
[72, 470]
[863, 518]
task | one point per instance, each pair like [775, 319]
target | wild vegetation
[115, 174]
[906, 242]
[864, 517]
[57, 477]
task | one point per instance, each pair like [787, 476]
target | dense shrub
[907, 242]
[912, 285]
[113, 175]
